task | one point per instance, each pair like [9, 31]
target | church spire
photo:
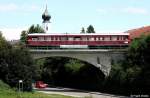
[46, 19]
[45, 16]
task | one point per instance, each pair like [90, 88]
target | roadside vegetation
[132, 76]
[15, 64]
[7, 92]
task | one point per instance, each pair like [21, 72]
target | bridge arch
[97, 65]
[100, 59]
[87, 61]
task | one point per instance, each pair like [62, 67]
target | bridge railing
[121, 48]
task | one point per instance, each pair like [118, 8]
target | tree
[35, 29]
[139, 51]
[90, 29]
[2, 39]
[82, 30]
[134, 72]
[51, 67]
[73, 66]
[4, 53]
[139, 57]
[32, 29]
[15, 64]
[20, 68]
[23, 37]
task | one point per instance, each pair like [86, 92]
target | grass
[31, 95]
[7, 92]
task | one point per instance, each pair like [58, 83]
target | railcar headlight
[126, 42]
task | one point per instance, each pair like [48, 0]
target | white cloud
[129, 10]
[29, 8]
[135, 10]
[14, 7]
[12, 33]
[8, 7]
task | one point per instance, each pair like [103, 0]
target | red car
[40, 84]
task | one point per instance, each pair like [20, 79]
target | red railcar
[50, 41]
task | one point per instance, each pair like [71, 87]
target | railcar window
[91, 39]
[97, 38]
[58, 39]
[64, 38]
[70, 38]
[125, 38]
[118, 37]
[41, 38]
[55, 38]
[77, 38]
[87, 38]
[34, 38]
[52, 38]
[121, 37]
[101, 38]
[84, 38]
[48, 39]
[113, 38]
[107, 38]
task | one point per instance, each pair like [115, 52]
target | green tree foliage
[3, 42]
[48, 67]
[132, 76]
[15, 64]
[23, 37]
[139, 51]
[82, 30]
[35, 29]
[121, 79]
[139, 57]
[20, 68]
[32, 29]
[39, 68]
[73, 65]
[90, 29]
[4, 53]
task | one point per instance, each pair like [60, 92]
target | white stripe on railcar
[73, 46]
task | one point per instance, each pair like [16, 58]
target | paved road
[77, 93]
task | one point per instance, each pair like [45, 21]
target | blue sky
[71, 15]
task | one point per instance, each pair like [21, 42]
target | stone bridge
[100, 58]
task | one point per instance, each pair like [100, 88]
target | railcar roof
[46, 34]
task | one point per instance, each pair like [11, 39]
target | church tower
[46, 20]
